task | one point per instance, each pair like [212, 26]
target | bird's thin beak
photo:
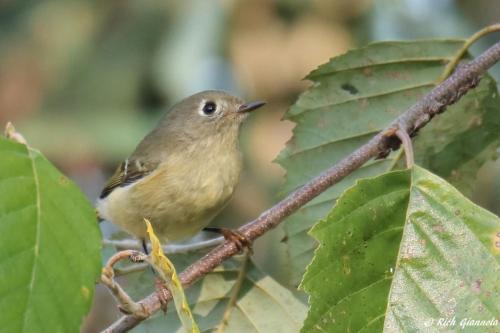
[247, 107]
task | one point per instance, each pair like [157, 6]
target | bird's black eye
[209, 108]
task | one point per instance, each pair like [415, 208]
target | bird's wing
[128, 172]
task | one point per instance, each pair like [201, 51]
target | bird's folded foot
[162, 293]
[240, 240]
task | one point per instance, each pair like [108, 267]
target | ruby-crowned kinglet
[181, 174]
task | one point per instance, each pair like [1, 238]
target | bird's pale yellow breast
[181, 196]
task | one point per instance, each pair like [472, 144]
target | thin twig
[131, 269]
[448, 92]
[133, 244]
[126, 303]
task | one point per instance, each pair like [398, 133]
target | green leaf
[49, 245]
[400, 251]
[262, 305]
[458, 142]
[356, 95]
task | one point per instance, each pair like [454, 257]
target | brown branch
[448, 92]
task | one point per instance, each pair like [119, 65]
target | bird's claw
[240, 240]
[162, 294]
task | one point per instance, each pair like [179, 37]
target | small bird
[183, 172]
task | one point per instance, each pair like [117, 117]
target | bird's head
[208, 114]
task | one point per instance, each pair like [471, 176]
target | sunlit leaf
[49, 245]
[400, 251]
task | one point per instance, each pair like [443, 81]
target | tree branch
[448, 92]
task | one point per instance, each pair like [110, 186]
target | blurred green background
[84, 81]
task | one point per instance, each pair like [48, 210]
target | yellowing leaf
[166, 270]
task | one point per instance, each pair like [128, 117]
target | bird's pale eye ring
[209, 108]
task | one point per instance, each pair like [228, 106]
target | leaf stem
[234, 293]
[450, 67]
[407, 146]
